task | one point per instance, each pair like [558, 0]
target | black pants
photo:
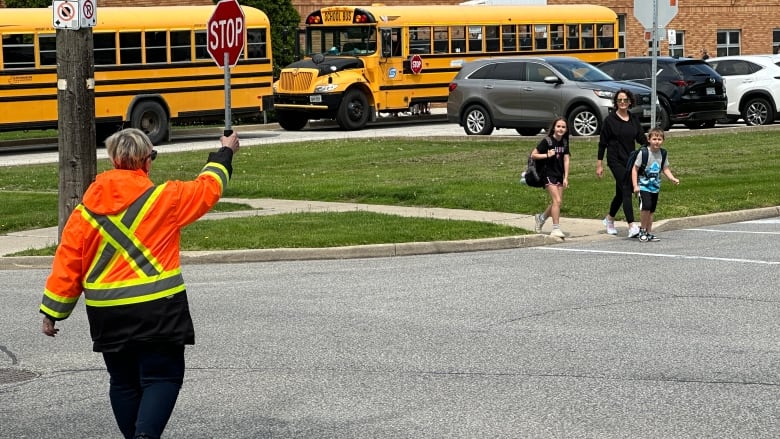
[145, 384]
[623, 194]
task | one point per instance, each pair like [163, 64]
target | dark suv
[690, 90]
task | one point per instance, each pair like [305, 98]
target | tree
[284, 29]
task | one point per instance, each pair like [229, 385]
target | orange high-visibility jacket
[120, 247]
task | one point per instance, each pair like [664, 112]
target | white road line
[733, 231]
[659, 255]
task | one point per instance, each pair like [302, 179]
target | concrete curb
[414, 248]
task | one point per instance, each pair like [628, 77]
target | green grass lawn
[718, 172]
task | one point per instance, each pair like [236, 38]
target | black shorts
[648, 201]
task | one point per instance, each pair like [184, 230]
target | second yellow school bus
[151, 68]
[364, 60]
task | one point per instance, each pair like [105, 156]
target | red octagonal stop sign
[416, 64]
[225, 33]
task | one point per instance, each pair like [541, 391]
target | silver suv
[527, 93]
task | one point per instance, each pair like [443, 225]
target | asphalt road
[606, 339]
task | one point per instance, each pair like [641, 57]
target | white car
[752, 87]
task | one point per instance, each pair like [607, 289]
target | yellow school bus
[365, 60]
[152, 68]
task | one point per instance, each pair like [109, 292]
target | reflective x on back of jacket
[119, 242]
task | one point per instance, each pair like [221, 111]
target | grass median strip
[719, 172]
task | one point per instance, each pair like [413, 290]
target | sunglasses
[152, 156]
[623, 100]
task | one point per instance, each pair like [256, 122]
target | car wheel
[291, 120]
[353, 111]
[528, 131]
[662, 119]
[476, 121]
[758, 112]
[584, 122]
[151, 118]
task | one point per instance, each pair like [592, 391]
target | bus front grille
[295, 81]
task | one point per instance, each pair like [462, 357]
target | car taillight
[682, 83]
[453, 86]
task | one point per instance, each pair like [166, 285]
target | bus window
[441, 39]
[491, 39]
[200, 46]
[606, 36]
[573, 38]
[587, 36]
[130, 48]
[508, 38]
[256, 44]
[156, 47]
[556, 36]
[396, 42]
[475, 39]
[420, 39]
[105, 48]
[540, 37]
[47, 47]
[181, 46]
[458, 42]
[526, 40]
[18, 51]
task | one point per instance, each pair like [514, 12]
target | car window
[537, 72]
[508, 71]
[580, 71]
[695, 69]
[483, 72]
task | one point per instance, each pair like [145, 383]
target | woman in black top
[620, 133]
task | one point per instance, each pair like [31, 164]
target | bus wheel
[476, 120]
[291, 120]
[353, 111]
[150, 117]
[584, 122]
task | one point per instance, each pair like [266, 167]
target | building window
[621, 35]
[677, 49]
[776, 41]
[728, 42]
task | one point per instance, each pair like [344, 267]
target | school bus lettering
[338, 16]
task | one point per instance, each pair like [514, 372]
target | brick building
[721, 27]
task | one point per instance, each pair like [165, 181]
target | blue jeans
[145, 383]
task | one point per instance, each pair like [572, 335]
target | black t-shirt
[553, 166]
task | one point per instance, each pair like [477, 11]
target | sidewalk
[576, 229]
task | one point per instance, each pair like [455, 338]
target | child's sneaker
[652, 238]
[611, 230]
[633, 232]
[643, 236]
[557, 233]
[538, 223]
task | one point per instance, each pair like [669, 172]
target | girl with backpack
[553, 152]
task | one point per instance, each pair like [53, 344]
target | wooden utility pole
[76, 118]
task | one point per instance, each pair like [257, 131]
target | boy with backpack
[650, 162]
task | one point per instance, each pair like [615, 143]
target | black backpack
[632, 158]
[533, 176]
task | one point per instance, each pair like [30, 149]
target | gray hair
[128, 148]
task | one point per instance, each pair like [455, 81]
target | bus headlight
[325, 88]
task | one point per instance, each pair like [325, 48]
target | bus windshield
[346, 40]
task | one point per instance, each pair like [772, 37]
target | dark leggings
[623, 194]
[145, 384]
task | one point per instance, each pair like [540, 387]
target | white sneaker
[538, 223]
[557, 233]
[633, 232]
[611, 230]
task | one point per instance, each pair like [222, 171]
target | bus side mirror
[386, 43]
